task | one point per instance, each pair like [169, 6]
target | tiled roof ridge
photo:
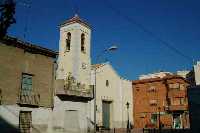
[75, 19]
[13, 41]
[157, 79]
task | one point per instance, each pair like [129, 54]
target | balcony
[176, 93]
[70, 89]
[176, 108]
[28, 98]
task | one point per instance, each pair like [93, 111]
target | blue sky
[174, 21]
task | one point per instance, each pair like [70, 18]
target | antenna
[75, 7]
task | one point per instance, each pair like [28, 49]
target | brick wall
[151, 96]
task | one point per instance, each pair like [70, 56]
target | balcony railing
[176, 93]
[29, 98]
[75, 91]
[71, 88]
[176, 108]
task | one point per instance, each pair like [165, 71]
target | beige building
[112, 95]
[155, 75]
[26, 86]
[183, 73]
[194, 75]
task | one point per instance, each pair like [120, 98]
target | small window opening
[107, 83]
[68, 41]
[83, 43]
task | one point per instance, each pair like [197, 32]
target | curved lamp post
[128, 125]
[112, 48]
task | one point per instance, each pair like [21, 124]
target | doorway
[71, 121]
[25, 121]
[177, 124]
[106, 114]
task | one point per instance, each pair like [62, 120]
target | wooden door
[106, 114]
[25, 121]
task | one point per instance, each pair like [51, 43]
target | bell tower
[74, 50]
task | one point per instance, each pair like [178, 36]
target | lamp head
[112, 48]
[127, 104]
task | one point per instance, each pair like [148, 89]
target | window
[83, 43]
[153, 118]
[151, 89]
[153, 102]
[107, 83]
[68, 41]
[182, 101]
[174, 86]
[182, 87]
[26, 82]
[178, 101]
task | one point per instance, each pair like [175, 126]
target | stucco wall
[15, 61]
[9, 118]
[127, 97]
[70, 117]
[71, 61]
[118, 92]
[197, 73]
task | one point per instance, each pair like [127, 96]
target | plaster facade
[74, 60]
[117, 91]
[71, 112]
[10, 118]
[70, 117]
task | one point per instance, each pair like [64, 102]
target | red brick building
[160, 101]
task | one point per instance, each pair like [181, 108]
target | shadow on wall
[6, 127]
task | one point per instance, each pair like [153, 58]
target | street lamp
[128, 125]
[159, 126]
[112, 48]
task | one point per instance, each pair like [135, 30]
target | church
[54, 92]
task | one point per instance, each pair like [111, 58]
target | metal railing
[29, 98]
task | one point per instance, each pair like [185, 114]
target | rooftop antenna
[75, 7]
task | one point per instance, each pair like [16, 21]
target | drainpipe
[53, 82]
[159, 120]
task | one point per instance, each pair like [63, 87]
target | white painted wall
[72, 61]
[182, 73]
[197, 73]
[155, 75]
[127, 96]
[71, 116]
[118, 92]
[77, 122]
[40, 116]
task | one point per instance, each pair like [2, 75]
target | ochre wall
[15, 61]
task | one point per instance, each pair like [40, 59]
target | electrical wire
[147, 31]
